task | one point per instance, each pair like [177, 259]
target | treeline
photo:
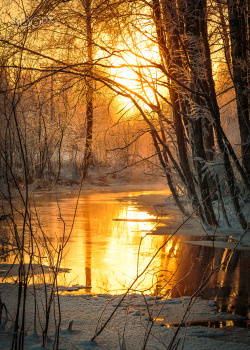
[179, 71]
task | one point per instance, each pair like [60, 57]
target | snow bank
[82, 315]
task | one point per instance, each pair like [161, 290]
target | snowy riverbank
[131, 322]
[141, 319]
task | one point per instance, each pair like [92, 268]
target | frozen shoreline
[131, 322]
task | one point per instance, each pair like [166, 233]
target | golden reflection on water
[102, 253]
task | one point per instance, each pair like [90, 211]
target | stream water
[103, 254]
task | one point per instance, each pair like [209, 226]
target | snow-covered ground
[134, 317]
[171, 221]
[138, 319]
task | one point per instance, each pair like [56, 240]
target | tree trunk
[215, 114]
[239, 34]
[174, 64]
[196, 56]
[89, 93]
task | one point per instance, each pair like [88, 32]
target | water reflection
[229, 286]
[102, 253]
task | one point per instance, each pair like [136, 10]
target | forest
[104, 94]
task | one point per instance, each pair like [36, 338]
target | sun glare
[132, 69]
